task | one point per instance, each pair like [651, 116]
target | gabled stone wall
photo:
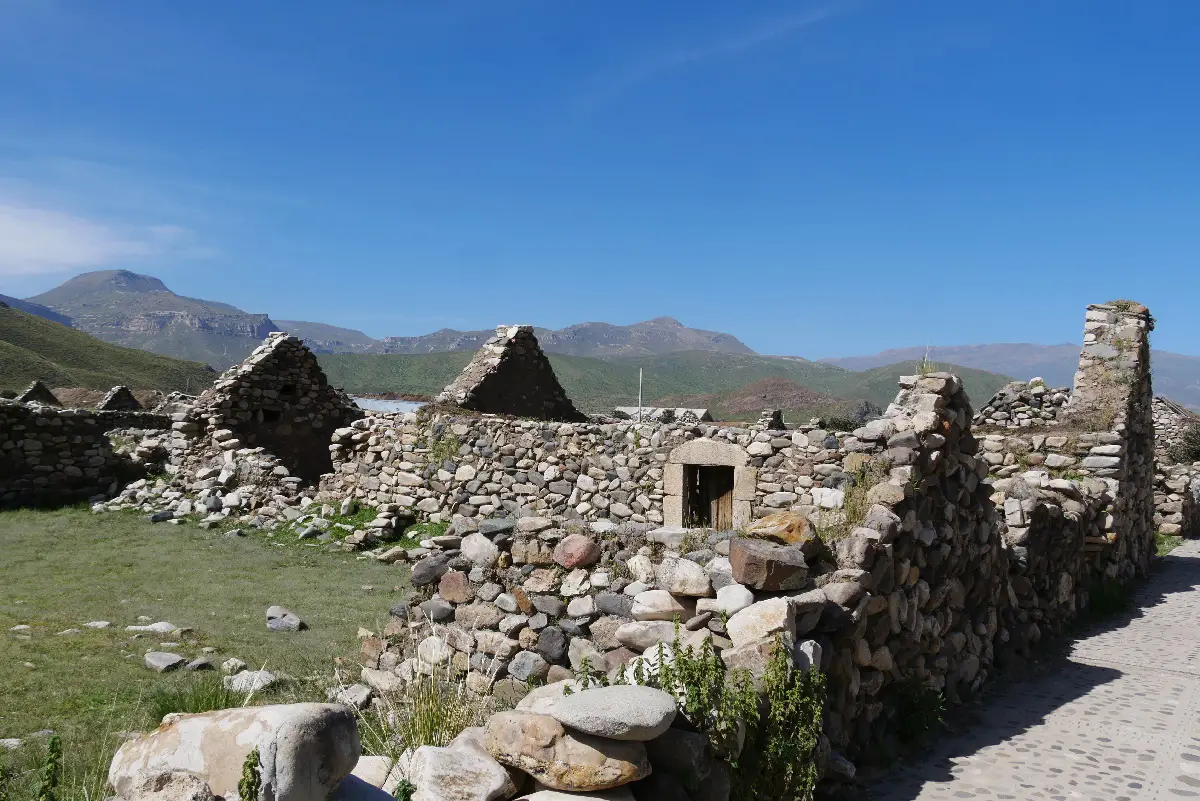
[278, 399]
[511, 375]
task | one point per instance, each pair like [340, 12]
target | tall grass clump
[836, 524]
[429, 710]
[206, 693]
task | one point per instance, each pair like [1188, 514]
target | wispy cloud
[762, 33]
[37, 241]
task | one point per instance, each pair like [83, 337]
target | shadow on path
[1085, 697]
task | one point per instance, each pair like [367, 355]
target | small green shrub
[1108, 597]
[404, 790]
[250, 785]
[51, 771]
[205, 693]
[777, 759]
[782, 726]
[833, 525]
[917, 710]
[1165, 543]
[1187, 450]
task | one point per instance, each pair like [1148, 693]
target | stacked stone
[1177, 500]
[39, 393]
[1024, 404]
[591, 471]
[52, 455]
[119, 399]
[511, 375]
[279, 394]
[245, 449]
[770, 420]
[1114, 377]
[1171, 421]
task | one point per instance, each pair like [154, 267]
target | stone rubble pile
[1023, 404]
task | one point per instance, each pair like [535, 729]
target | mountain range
[139, 311]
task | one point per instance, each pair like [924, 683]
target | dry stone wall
[53, 455]
[1024, 404]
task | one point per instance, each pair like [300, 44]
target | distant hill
[602, 340]
[322, 338]
[799, 403]
[32, 347]
[44, 312]
[138, 311]
[599, 385]
[1175, 375]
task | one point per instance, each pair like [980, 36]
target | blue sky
[817, 178]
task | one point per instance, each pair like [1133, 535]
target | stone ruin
[930, 544]
[278, 400]
[37, 392]
[511, 375]
[119, 399]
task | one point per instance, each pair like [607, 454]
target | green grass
[64, 568]
[598, 385]
[34, 348]
[1165, 543]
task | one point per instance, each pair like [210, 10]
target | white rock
[306, 750]
[762, 620]
[249, 681]
[683, 577]
[458, 774]
[662, 605]
[481, 551]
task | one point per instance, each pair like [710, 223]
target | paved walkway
[1119, 720]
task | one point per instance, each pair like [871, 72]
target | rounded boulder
[620, 712]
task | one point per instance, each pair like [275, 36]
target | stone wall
[1024, 404]
[449, 465]
[277, 399]
[906, 579]
[53, 455]
[1171, 421]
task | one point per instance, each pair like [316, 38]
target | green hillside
[597, 385]
[35, 348]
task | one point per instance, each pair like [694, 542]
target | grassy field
[62, 569]
[34, 348]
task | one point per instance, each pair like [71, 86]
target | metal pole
[639, 394]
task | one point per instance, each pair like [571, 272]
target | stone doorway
[709, 484]
[708, 496]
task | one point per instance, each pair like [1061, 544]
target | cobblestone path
[1120, 719]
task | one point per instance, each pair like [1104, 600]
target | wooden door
[718, 488]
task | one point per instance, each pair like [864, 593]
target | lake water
[377, 405]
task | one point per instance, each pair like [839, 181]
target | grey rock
[161, 661]
[619, 712]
